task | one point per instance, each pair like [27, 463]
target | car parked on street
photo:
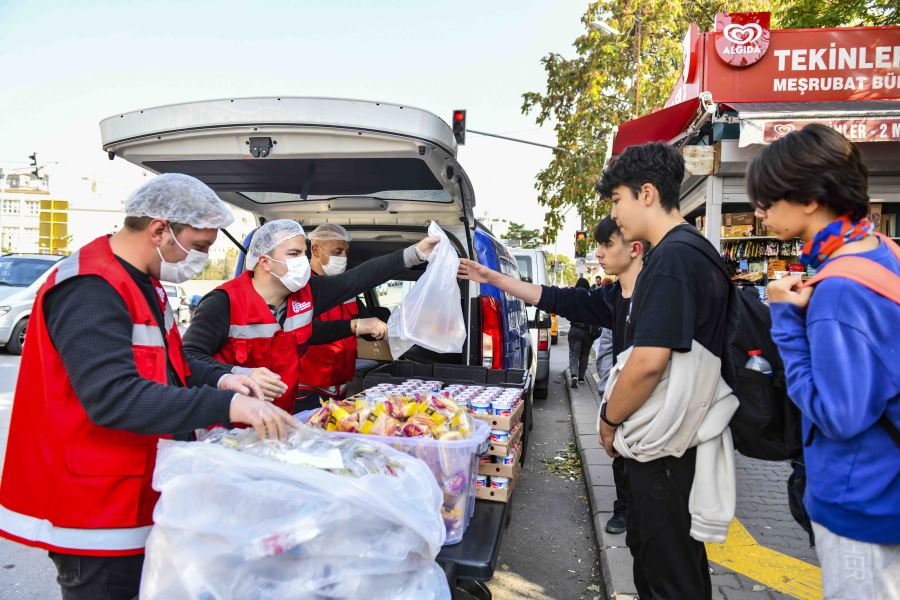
[533, 269]
[381, 170]
[21, 275]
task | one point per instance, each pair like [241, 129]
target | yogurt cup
[482, 481]
[499, 483]
[500, 411]
[484, 459]
[499, 437]
[479, 406]
[509, 459]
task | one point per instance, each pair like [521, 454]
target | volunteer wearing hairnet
[326, 369]
[261, 321]
[103, 379]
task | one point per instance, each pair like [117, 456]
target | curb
[615, 558]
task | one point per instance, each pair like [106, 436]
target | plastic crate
[454, 465]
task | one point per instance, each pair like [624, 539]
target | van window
[525, 270]
[391, 293]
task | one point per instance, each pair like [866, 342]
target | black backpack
[767, 424]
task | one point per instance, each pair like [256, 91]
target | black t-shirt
[680, 296]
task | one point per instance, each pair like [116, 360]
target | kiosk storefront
[744, 86]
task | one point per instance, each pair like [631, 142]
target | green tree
[838, 13]
[589, 94]
[527, 238]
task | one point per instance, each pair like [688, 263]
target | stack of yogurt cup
[493, 482]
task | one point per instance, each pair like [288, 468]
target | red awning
[662, 126]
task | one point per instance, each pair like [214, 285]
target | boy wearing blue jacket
[841, 352]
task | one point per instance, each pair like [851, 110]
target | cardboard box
[490, 470]
[503, 423]
[375, 350]
[737, 231]
[499, 495]
[742, 218]
[503, 449]
[701, 160]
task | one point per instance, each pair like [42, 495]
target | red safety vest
[326, 368]
[69, 485]
[255, 339]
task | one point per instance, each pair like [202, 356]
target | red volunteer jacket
[255, 339]
[69, 485]
[325, 368]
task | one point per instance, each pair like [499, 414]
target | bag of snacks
[317, 516]
[431, 315]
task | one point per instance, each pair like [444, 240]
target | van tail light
[491, 333]
[543, 340]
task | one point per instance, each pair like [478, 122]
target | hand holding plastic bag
[431, 315]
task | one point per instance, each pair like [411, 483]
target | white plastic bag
[431, 315]
[233, 525]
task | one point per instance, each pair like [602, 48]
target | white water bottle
[758, 363]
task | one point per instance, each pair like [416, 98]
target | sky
[68, 65]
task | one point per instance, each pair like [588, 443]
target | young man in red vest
[326, 369]
[261, 321]
[103, 379]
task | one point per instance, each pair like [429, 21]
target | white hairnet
[269, 236]
[180, 199]
[330, 231]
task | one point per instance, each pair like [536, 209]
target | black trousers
[579, 351]
[307, 400]
[623, 488]
[98, 577]
[668, 563]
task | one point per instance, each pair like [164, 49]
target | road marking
[742, 554]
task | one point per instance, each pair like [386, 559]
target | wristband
[603, 416]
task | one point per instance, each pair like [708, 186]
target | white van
[533, 269]
[382, 170]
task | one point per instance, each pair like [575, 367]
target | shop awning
[858, 120]
[662, 126]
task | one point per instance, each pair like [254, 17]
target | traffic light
[33, 159]
[580, 244]
[459, 126]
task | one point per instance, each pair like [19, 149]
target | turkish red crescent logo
[742, 38]
[296, 306]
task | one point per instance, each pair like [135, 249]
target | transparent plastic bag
[235, 521]
[431, 315]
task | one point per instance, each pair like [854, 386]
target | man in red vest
[326, 369]
[103, 378]
[260, 323]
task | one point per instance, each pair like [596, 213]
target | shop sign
[855, 130]
[808, 65]
[742, 38]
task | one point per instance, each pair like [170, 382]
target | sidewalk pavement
[776, 552]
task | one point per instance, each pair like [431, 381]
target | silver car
[21, 275]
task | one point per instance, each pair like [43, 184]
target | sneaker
[581, 380]
[616, 524]
[574, 383]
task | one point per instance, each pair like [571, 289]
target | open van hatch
[305, 157]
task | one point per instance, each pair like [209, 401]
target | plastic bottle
[758, 363]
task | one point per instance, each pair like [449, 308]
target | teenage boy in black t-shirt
[680, 296]
[603, 306]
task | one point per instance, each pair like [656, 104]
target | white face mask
[187, 268]
[298, 272]
[335, 265]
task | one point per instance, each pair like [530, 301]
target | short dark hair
[582, 283]
[607, 228]
[814, 164]
[142, 223]
[655, 163]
